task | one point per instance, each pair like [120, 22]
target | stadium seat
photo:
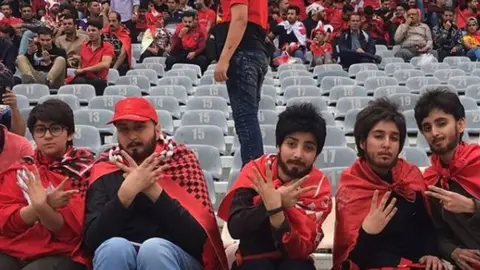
[335, 157]
[166, 121]
[354, 69]
[328, 117]
[327, 67]
[436, 86]
[167, 103]
[159, 68]
[267, 117]
[33, 91]
[389, 60]
[139, 80]
[294, 73]
[95, 117]
[331, 73]
[405, 101]
[429, 69]
[329, 82]
[468, 103]
[373, 83]
[475, 72]
[112, 76]
[347, 103]
[415, 156]
[390, 68]
[204, 135]
[403, 75]
[208, 158]
[380, 48]
[87, 137]
[215, 90]
[444, 74]
[468, 67]
[412, 128]
[196, 68]
[417, 60]
[461, 83]
[190, 73]
[267, 103]
[320, 103]
[123, 90]
[473, 91]
[268, 81]
[25, 112]
[416, 83]
[454, 61]
[177, 91]
[208, 103]
[335, 137]
[136, 50]
[155, 60]
[385, 91]
[205, 117]
[333, 174]
[179, 80]
[363, 75]
[22, 102]
[385, 54]
[104, 102]
[71, 100]
[472, 120]
[208, 80]
[269, 90]
[149, 73]
[84, 92]
[237, 158]
[284, 67]
[210, 186]
[350, 120]
[301, 91]
[300, 80]
[340, 91]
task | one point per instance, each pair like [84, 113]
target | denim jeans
[245, 78]
[155, 253]
[27, 36]
[474, 54]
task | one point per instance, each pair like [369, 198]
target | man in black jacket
[356, 46]
[44, 62]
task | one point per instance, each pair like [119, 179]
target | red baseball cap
[134, 109]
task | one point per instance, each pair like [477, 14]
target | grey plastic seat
[234, 173]
[396, 48]
[356, 68]
[363, 75]
[179, 80]
[95, 117]
[166, 121]
[209, 158]
[210, 186]
[123, 90]
[416, 83]
[327, 67]
[301, 91]
[373, 83]
[268, 81]
[237, 158]
[340, 91]
[268, 134]
[385, 91]
[436, 86]
[295, 73]
[169, 104]
[329, 82]
[404, 75]
[212, 91]
[71, 100]
[469, 104]
[412, 127]
[347, 103]
[415, 61]
[381, 48]
[139, 80]
[205, 135]
[429, 69]
[320, 103]
[389, 60]
[390, 68]
[22, 102]
[284, 67]
[112, 76]
[472, 120]
[289, 81]
[333, 174]
[405, 101]
[159, 68]
[33, 91]
[155, 60]
[385, 54]
[149, 73]
[190, 73]
[87, 137]
[208, 80]
[137, 51]
[208, 103]
[211, 67]
[350, 120]
[475, 72]
[25, 112]
[269, 90]
[335, 157]
[415, 156]
[328, 117]
[335, 137]
[473, 91]
[84, 92]
[267, 103]
[104, 102]
[468, 67]
[461, 83]
[205, 117]
[444, 74]
[330, 73]
[454, 61]
[267, 117]
[196, 68]
[177, 91]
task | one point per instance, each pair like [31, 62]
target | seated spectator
[188, 43]
[137, 216]
[29, 21]
[387, 10]
[12, 148]
[80, 8]
[44, 62]
[94, 60]
[172, 15]
[339, 18]
[183, 5]
[278, 203]
[10, 115]
[205, 17]
[435, 10]
[356, 46]
[8, 18]
[292, 35]
[314, 19]
[398, 19]
[383, 219]
[71, 40]
[8, 51]
[454, 188]
[414, 37]
[152, 15]
[471, 40]
[471, 11]
[119, 36]
[321, 49]
[447, 37]
[155, 41]
[51, 18]
[374, 26]
[94, 12]
[42, 197]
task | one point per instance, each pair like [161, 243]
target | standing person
[453, 177]
[243, 64]
[128, 11]
[118, 35]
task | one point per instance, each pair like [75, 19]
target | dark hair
[301, 117]
[7, 29]
[369, 10]
[70, 17]
[189, 13]
[119, 17]
[5, 3]
[404, 6]
[381, 109]
[44, 31]
[91, 1]
[95, 23]
[292, 7]
[442, 99]
[25, 5]
[52, 110]
[348, 8]
[447, 9]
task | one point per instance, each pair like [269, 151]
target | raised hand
[466, 259]
[59, 197]
[292, 190]
[432, 263]
[143, 176]
[132, 165]
[379, 215]
[34, 188]
[264, 187]
[452, 201]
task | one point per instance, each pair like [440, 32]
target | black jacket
[37, 61]
[8, 54]
[367, 44]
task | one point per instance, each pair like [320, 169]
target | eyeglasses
[55, 130]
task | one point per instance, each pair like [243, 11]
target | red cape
[305, 219]
[463, 169]
[123, 35]
[354, 195]
[26, 243]
[184, 171]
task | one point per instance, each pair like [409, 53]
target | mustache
[134, 144]
[296, 162]
[385, 153]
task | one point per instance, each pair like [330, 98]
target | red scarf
[36, 241]
[123, 35]
[463, 169]
[354, 196]
[306, 218]
[184, 171]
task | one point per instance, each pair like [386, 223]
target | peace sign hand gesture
[452, 201]
[264, 187]
[127, 169]
[292, 190]
[59, 198]
[379, 215]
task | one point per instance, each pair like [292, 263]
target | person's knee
[21, 59]
[60, 61]
[116, 246]
[156, 248]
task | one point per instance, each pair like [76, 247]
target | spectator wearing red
[469, 12]
[7, 13]
[205, 16]
[95, 59]
[52, 10]
[42, 198]
[155, 41]
[321, 49]
[38, 5]
[340, 22]
[12, 148]
[374, 26]
[152, 14]
[301, 5]
[398, 19]
[119, 36]
[188, 43]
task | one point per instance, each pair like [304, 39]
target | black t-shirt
[37, 62]
[283, 37]
[254, 37]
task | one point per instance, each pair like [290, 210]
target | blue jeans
[27, 36]
[474, 54]
[245, 78]
[155, 253]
